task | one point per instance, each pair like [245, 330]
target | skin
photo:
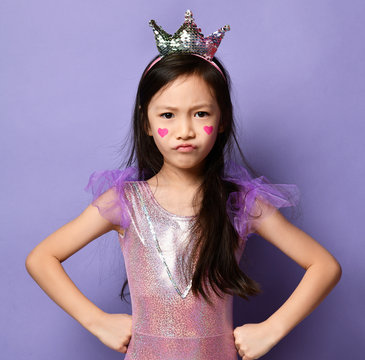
[176, 183]
[178, 179]
[322, 273]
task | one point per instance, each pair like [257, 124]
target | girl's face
[184, 112]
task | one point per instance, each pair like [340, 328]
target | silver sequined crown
[188, 39]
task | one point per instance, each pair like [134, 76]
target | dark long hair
[215, 239]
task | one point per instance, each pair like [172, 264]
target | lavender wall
[69, 72]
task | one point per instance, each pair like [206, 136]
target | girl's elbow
[335, 269]
[338, 271]
[33, 260]
[332, 266]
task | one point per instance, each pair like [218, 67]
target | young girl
[183, 214]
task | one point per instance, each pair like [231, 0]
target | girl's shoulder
[108, 190]
[255, 198]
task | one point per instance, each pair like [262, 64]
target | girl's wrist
[275, 330]
[93, 321]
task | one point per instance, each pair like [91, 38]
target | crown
[188, 39]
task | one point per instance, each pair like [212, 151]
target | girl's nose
[186, 128]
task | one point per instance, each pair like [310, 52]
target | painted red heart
[162, 132]
[208, 129]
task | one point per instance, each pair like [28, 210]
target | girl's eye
[169, 115]
[202, 112]
[165, 114]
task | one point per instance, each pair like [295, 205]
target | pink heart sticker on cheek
[162, 132]
[208, 129]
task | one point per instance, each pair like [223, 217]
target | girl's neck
[171, 176]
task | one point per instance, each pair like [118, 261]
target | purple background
[68, 75]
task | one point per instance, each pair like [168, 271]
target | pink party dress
[168, 321]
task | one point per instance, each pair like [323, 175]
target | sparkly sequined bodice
[168, 321]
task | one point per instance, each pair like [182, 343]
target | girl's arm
[44, 264]
[322, 273]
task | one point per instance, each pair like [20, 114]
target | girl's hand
[254, 340]
[114, 331]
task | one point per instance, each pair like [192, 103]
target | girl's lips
[185, 148]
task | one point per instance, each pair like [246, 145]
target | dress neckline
[162, 209]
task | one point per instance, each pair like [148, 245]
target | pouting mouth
[185, 145]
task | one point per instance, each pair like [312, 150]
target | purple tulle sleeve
[256, 199]
[107, 189]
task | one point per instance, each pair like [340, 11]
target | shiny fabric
[255, 199]
[165, 324]
[168, 322]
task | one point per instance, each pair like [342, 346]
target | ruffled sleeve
[108, 193]
[256, 199]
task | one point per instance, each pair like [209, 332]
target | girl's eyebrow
[193, 107]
